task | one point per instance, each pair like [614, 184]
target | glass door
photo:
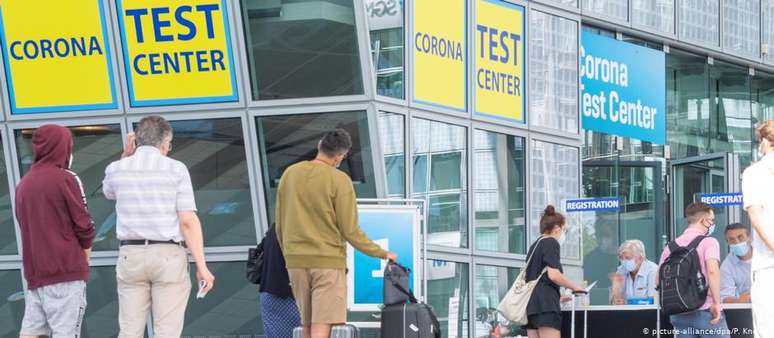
[691, 177]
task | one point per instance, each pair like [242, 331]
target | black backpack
[682, 286]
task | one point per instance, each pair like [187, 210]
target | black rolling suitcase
[406, 320]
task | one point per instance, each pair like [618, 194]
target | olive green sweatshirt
[316, 214]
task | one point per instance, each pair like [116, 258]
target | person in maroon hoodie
[57, 232]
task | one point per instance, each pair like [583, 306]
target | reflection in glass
[742, 27]
[301, 48]
[7, 233]
[214, 152]
[439, 157]
[767, 29]
[385, 22]
[555, 177]
[763, 97]
[688, 104]
[447, 293]
[11, 303]
[699, 21]
[656, 14]
[618, 9]
[553, 72]
[94, 147]
[287, 139]
[391, 134]
[101, 319]
[732, 109]
[498, 192]
[230, 310]
[491, 283]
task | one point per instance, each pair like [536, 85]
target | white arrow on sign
[384, 244]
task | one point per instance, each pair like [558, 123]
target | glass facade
[484, 183]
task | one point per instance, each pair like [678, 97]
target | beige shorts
[321, 295]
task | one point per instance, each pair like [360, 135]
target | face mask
[70, 163]
[562, 238]
[629, 265]
[711, 229]
[741, 249]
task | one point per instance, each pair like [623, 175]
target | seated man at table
[638, 272]
[735, 276]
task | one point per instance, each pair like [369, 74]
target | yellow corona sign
[439, 47]
[56, 56]
[177, 52]
[499, 61]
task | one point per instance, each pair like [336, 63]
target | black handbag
[254, 265]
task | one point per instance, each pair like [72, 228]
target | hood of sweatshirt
[52, 145]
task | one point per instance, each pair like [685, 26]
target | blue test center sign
[723, 199]
[592, 204]
[395, 229]
[624, 88]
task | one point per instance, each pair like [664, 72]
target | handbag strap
[529, 259]
[408, 292]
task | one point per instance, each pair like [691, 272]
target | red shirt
[51, 209]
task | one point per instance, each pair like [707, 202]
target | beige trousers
[152, 278]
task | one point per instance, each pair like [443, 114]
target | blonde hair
[765, 131]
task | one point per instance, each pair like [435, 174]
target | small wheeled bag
[337, 331]
[403, 316]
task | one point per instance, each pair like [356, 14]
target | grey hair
[635, 246]
[153, 131]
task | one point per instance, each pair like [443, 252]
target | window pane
[301, 48]
[498, 192]
[573, 3]
[231, 310]
[94, 147]
[7, 227]
[11, 303]
[553, 72]
[555, 178]
[618, 9]
[444, 146]
[447, 293]
[768, 29]
[385, 22]
[214, 152]
[391, 133]
[101, 318]
[287, 139]
[763, 96]
[741, 27]
[699, 21]
[688, 104]
[732, 109]
[491, 283]
[656, 14]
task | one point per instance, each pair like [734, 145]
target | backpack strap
[696, 241]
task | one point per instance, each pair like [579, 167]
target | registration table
[615, 321]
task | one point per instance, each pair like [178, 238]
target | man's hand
[130, 145]
[88, 255]
[392, 257]
[205, 275]
[715, 310]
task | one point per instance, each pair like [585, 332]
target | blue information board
[624, 88]
[722, 199]
[592, 204]
[394, 228]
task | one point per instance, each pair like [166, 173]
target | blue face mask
[629, 265]
[741, 249]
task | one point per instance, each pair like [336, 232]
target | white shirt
[149, 190]
[757, 188]
[644, 283]
[735, 276]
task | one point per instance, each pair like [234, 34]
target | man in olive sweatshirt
[316, 214]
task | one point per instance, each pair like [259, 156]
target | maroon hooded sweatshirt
[51, 209]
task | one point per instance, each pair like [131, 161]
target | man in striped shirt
[156, 221]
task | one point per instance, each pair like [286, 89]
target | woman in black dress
[544, 317]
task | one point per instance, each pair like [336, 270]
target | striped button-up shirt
[149, 190]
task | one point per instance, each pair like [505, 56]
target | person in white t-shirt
[757, 185]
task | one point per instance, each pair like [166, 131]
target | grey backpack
[396, 284]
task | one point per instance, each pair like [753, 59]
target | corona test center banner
[56, 56]
[624, 89]
[499, 60]
[177, 52]
[439, 47]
